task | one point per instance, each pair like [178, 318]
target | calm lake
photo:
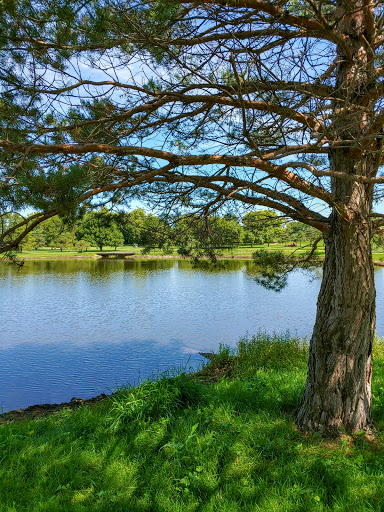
[77, 328]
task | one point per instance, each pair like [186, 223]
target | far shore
[139, 256]
[131, 252]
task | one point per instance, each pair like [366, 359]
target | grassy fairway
[237, 252]
[183, 444]
[243, 250]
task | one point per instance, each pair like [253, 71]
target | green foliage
[378, 348]
[153, 399]
[191, 236]
[81, 245]
[264, 350]
[265, 226]
[92, 111]
[261, 351]
[271, 269]
[271, 261]
[65, 240]
[198, 237]
[249, 237]
[99, 228]
[299, 232]
[132, 225]
[37, 239]
[155, 232]
[145, 230]
[56, 188]
[52, 228]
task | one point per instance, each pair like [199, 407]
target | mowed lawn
[240, 251]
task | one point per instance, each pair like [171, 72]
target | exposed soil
[42, 410]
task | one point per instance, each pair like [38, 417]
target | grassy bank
[243, 251]
[224, 441]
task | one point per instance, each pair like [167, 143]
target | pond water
[82, 327]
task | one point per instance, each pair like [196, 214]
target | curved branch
[276, 171]
[312, 27]
[12, 244]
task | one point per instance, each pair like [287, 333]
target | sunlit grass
[243, 250]
[181, 444]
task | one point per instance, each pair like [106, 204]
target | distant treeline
[100, 228]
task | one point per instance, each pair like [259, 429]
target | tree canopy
[191, 105]
[99, 228]
[264, 225]
[153, 98]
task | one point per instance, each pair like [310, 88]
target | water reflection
[102, 267]
[80, 327]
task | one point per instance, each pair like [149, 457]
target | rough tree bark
[338, 388]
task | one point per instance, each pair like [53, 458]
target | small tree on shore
[299, 232]
[99, 228]
[265, 225]
[81, 245]
[65, 240]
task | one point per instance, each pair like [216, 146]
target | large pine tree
[272, 104]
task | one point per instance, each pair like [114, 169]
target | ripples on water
[79, 328]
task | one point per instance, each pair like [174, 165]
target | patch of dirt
[215, 370]
[43, 410]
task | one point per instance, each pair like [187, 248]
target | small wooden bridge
[115, 254]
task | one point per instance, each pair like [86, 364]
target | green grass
[243, 250]
[181, 444]
[238, 252]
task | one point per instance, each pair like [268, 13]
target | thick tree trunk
[338, 390]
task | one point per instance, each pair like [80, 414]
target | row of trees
[104, 228]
